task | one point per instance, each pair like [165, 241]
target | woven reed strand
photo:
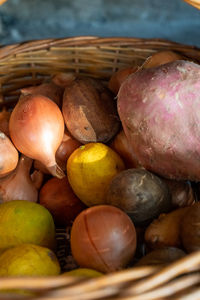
[195, 3]
[32, 62]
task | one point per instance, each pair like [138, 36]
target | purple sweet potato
[160, 113]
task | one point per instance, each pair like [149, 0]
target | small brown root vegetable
[89, 111]
[121, 145]
[165, 231]
[182, 193]
[190, 228]
[161, 58]
[49, 90]
[141, 194]
[63, 79]
[161, 256]
[118, 78]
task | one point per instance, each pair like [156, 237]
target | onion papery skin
[36, 129]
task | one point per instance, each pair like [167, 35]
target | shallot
[8, 155]
[36, 129]
[18, 185]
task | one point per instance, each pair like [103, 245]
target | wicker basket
[195, 3]
[33, 62]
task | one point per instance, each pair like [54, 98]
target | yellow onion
[36, 129]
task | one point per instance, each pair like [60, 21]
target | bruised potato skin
[165, 231]
[159, 110]
[190, 229]
[141, 194]
[90, 111]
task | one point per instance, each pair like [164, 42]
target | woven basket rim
[83, 41]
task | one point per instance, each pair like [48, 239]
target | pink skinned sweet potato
[160, 113]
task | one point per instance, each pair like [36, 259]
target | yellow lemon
[23, 222]
[29, 260]
[90, 168]
[83, 272]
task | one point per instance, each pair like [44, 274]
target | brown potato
[121, 145]
[161, 58]
[182, 193]
[48, 89]
[190, 228]
[141, 194]
[90, 111]
[165, 231]
[161, 256]
[118, 78]
[63, 79]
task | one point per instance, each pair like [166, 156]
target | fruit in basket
[25, 222]
[190, 230]
[90, 111]
[28, 260]
[161, 256]
[36, 129]
[121, 145]
[90, 168]
[83, 272]
[141, 194]
[166, 229]
[47, 89]
[58, 197]
[160, 58]
[9, 155]
[103, 238]
[19, 185]
[158, 108]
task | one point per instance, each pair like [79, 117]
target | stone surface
[22, 20]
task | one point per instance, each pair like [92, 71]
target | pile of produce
[118, 163]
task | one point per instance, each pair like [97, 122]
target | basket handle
[195, 3]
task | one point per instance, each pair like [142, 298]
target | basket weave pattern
[32, 63]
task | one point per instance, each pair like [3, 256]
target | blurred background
[175, 20]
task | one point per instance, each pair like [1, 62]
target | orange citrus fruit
[90, 168]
